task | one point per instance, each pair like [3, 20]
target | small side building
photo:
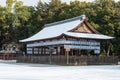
[65, 42]
[9, 51]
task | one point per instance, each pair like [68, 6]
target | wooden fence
[72, 60]
[119, 57]
[8, 56]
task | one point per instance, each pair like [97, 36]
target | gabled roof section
[80, 18]
[84, 27]
[56, 29]
[88, 36]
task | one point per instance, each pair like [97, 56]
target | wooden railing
[73, 60]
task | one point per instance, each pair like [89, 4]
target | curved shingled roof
[62, 27]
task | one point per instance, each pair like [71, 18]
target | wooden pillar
[58, 54]
[79, 52]
[58, 50]
[38, 51]
[50, 56]
[72, 52]
[32, 51]
[41, 50]
[67, 55]
[45, 51]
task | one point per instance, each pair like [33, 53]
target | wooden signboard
[67, 49]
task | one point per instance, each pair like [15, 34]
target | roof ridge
[82, 17]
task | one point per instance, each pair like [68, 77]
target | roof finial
[83, 17]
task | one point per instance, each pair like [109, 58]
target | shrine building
[74, 36]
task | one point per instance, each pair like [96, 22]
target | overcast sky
[34, 2]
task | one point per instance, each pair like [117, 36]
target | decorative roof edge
[82, 17]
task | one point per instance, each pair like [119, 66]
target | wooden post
[38, 51]
[42, 51]
[67, 54]
[32, 51]
[67, 57]
[72, 52]
[58, 54]
[51, 50]
[50, 56]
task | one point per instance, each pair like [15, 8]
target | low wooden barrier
[8, 56]
[119, 58]
[72, 60]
